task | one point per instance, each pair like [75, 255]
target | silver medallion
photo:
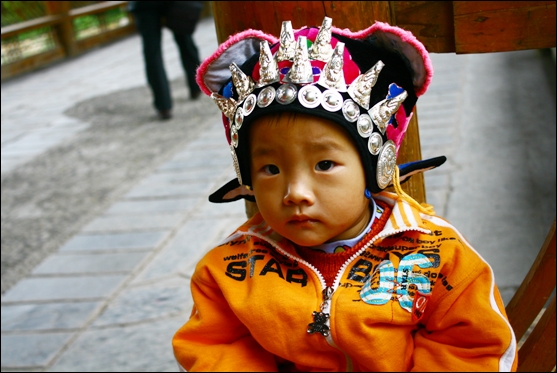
[236, 165]
[309, 96]
[375, 143]
[350, 110]
[249, 104]
[234, 138]
[239, 118]
[386, 164]
[364, 125]
[286, 94]
[332, 100]
[266, 97]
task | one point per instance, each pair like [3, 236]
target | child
[334, 273]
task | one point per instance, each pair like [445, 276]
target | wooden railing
[60, 20]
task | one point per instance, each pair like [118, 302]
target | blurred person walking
[181, 17]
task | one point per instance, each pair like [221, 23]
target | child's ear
[232, 191]
[412, 168]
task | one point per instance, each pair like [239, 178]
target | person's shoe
[164, 114]
[195, 95]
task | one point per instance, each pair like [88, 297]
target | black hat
[368, 82]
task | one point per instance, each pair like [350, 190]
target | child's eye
[324, 165]
[271, 169]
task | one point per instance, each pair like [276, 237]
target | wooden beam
[500, 26]
[31, 63]
[96, 8]
[18, 28]
[104, 37]
[430, 21]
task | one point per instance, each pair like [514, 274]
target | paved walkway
[111, 294]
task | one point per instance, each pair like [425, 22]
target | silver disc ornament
[266, 97]
[375, 143]
[234, 138]
[309, 96]
[350, 110]
[286, 94]
[364, 125]
[249, 104]
[332, 100]
[239, 118]
[386, 164]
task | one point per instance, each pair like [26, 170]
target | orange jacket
[416, 297]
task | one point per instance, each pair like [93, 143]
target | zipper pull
[320, 319]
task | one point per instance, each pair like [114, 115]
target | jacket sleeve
[467, 329]
[214, 339]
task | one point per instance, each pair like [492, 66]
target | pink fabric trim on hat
[405, 36]
[205, 66]
[397, 134]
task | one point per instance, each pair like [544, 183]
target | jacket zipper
[320, 325]
[329, 291]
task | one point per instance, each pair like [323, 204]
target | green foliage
[32, 34]
[20, 11]
[85, 22]
[115, 15]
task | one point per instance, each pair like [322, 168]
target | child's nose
[298, 192]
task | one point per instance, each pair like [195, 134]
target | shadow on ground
[47, 200]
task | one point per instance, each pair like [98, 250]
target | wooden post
[64, 30]
[235, 16]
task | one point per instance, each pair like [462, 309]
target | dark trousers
[150, 27]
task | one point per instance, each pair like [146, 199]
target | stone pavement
[108, 294]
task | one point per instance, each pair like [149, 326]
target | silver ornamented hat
[368, 82]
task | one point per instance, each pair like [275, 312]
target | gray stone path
[110, 295]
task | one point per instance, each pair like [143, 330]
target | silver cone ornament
[382, 112]
[243, 83]
[321, 49]
[287, 42]
[226, 105]
[301, 71]
[333, 75]
[360, 89]
[268, 67]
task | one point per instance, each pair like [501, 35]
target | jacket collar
[403, 217]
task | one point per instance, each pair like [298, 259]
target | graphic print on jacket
[243, 264]
[402, 284]
[387, 274]
[400, 274]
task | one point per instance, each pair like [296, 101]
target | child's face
[308, 179]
